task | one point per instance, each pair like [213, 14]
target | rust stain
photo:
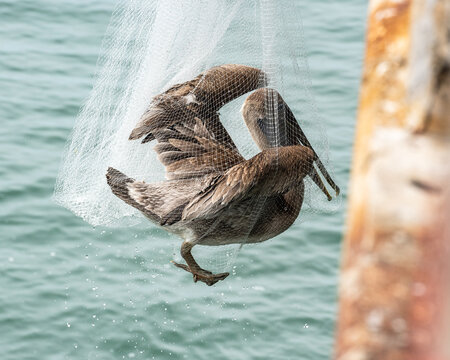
[386, 61]
[387, 24]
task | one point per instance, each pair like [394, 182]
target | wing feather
[271, 172]
[200, 97]
[192, 142]
[191, 151]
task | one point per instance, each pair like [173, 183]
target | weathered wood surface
[393, 286]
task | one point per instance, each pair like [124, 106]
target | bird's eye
[262, 125]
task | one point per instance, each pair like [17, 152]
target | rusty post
[393, 285]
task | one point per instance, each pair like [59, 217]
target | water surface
[73, 292]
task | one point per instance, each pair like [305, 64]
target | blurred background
[70, 291]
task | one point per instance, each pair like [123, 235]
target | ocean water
[69, 291]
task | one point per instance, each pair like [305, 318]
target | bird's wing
[192, 156]
[163, 202]
[200, 97]
[271, 172]
[219, 85]
[190, 150]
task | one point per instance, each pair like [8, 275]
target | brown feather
[202, 96]
[259, 175]
[214, 196]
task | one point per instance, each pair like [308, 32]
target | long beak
[297, 132]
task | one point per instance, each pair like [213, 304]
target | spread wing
[192, 157]
[190, 150]
[200, 97]
[272, 172]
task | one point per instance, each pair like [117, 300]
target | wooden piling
[394, 272]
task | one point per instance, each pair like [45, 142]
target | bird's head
[261, 115]
[272, 124]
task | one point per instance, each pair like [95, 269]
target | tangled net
[165, 110]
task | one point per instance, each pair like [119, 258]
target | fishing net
[165, 120]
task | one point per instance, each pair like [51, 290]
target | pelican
[213, 195]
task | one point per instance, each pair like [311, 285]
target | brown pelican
[213, 195]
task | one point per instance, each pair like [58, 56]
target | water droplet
[258, 288]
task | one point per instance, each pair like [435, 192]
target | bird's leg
[199, 274]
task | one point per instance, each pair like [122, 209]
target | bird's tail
[117, 181]
[120, 186]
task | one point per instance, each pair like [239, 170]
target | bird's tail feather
[118, 182]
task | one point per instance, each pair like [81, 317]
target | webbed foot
[203, 275]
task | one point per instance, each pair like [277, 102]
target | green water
[68, 291]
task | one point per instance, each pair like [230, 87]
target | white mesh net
[151, 117]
